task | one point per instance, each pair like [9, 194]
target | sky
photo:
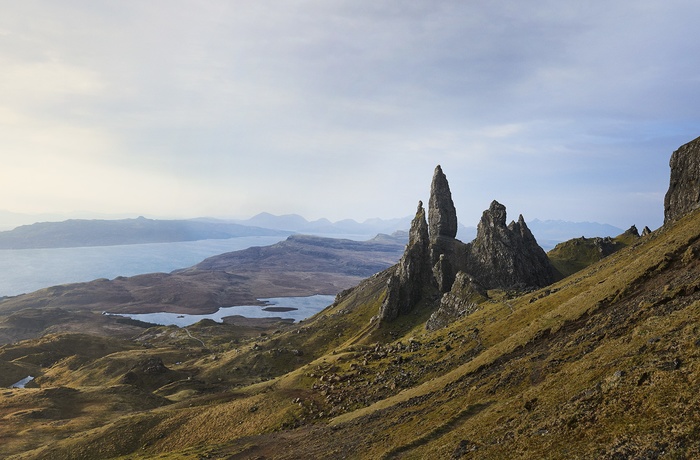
[342, 109]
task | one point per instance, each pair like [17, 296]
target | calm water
[26, 270]
[303, 307]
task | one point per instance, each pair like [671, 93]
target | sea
[27, 270]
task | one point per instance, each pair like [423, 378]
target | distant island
[83, 232]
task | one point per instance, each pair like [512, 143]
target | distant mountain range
[298, 224]
[109, 232]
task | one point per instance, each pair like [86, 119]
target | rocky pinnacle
[412, 272]
[442, 216]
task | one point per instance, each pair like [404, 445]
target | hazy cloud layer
[342, 109]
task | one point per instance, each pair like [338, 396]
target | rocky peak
[507, 256]
[493, 217]
[442, 217]
[418, 233]
[632, 231]
[683, 193]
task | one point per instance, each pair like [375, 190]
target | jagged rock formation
[447, 254]
[632, 231]
[435, 263]
[462, 300]
[646, 231]
[507, 256]
[683, 193]
[413, 271]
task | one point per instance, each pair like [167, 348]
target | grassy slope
[602, 363]
[574, 255]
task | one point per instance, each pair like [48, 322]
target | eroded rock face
[507, 256]
[463, 299]
[436, 265]
[683, 193]
[413, 272]
[442, 216]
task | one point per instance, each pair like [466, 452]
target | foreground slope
[603, 364]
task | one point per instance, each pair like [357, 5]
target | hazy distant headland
[81, 233]
[111, 232]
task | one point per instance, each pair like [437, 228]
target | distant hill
[576, 254]
[80, 232]
[110, 232]
[551, 232]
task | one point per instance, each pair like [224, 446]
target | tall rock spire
[442, 216]
[413, 271]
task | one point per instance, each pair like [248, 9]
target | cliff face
[683, 193]
[502, 256]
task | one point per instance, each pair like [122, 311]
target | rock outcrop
[437, 266]
[413, 272]
[507, 256]
[447, 254]
[683, 193]
[463, 299]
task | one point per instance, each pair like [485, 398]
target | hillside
[594, 366]
[602, 364]
[578, 253]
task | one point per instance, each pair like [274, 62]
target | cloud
[342, 109]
